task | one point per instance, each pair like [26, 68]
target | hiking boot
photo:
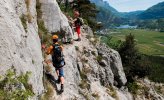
[62, 88]
[79, 39]
[58, 80]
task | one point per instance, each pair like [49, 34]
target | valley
[148, 42]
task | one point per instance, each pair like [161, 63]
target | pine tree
[133, 62]
[88, 11]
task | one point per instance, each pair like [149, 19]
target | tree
[88, 11]
[134, 64]
[161, 24]
[128, 50]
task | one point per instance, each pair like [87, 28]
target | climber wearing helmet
[56, 51]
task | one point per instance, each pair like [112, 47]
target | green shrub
[38, 9]
[23, 19]
[158, 89]
[76, 48]
[112, 92]
[33, 62]
[83, 75]
[42, 30]
[133, 87]
[156, 68]
[29, 17]
[99, 58]
[84, 82]
[10, 86]
[96, 95]
[50, 91]
[86, 95]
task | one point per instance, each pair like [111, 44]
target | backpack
[57, 56]
[79, 22]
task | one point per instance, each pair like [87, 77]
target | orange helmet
[54, 37]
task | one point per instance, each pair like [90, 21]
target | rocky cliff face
[112, 60]
[92, 71]
[87, 76]
[54, 19]
[19, 41]
[86, 66]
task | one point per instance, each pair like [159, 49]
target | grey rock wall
[114, 64]
[19, 48]
[53, 17]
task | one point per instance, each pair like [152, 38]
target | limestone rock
[54, 19]
[100, 92]
[19, 48]
[121, 95]
[103, 63]
[88, 30]
[117, 68]
[114, 63]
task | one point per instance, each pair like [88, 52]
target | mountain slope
[154, 12]
[110, 17]
[105, 5]
[131, 15]
[107, 14]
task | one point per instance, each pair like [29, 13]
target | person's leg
[62, 79]
[78, 32]
[57, 72]
[61, 74]
[62, 83]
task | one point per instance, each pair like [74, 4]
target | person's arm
[74, 19]
[49, 50]
[61, 48]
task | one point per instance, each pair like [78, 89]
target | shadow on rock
[53, 81]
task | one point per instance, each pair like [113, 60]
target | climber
[77, 24]
[57, 59]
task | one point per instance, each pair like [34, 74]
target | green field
[148, 42]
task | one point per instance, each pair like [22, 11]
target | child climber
[56, 51]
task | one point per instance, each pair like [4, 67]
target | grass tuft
[112, 92]
[96, 95]
[29, 17]
[23, 19]
[99, 58]
[50, 91]
[28, 2]
[42, 30]
[133, 87]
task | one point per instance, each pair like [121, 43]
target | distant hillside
[154, 12]
[110, 17]
[107, 15]
[131, 15]
[105, 5]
